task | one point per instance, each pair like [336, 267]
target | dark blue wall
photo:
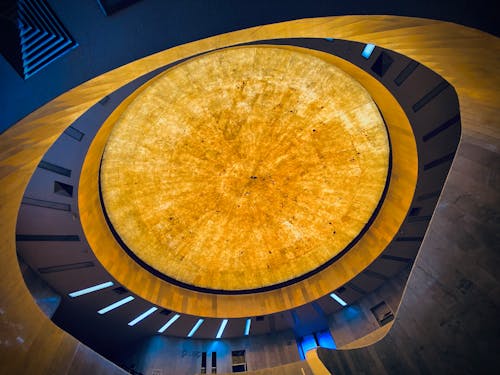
[150, 26]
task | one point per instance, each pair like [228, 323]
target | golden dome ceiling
[245, 168]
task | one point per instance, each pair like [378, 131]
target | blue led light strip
[115, 305]
[338, 299]
[221, 329]
[169, 323]
[91, 289]
[367, 51]
[247, 326]
[144, 315]
[195, 328]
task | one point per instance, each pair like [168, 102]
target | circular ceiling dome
[245, 168]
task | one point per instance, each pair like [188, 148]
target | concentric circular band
[385, 225]
[245, 168]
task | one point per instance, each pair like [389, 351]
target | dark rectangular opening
[104, 100]
[47, 237]
[46, 204]
[203, 363]
[214, 362]
[427, 98]
[426, 196]
[238, 361]
[417, 219]
[382, 64]
[409, 239]
[439, 161]
[66, 267]
[453, 121]
[356, 288]
[120, 290]
[415, 211]
[395, 258]
[74, 133]
[406, 72]
[63, 189]
[110, 7]
[55, 168]
[375, 275]
[382, 313]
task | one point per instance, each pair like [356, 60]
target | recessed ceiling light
[91, 289]
[143, 316]
[338, 299]
[169, 323]
[115, 305]
[367, 51]
[221, 328]
[247, 326]
[195, 328]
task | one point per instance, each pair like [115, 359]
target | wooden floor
[448, 320]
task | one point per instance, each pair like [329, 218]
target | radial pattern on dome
[245, 168]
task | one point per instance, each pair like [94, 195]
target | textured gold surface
[385, 226]
[373, 242]
[245, 167]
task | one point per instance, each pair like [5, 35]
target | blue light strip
[221, 329]
[144, 315]
[247, 326]
[195, 328]
[338, 299]
[91, 289]
[367, 51]
[115, 305]
[169, 323]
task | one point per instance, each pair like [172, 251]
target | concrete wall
[357, 320]
[180, 356]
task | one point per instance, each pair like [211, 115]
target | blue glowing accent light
[338, 299]
[351, 313]
[115, 305]
[325, 340]
[367, 51]
[169, 323]
[308, 343]
[195, 328]
[91, 289]
[221, 329]
[247, 326]
[144, 315]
